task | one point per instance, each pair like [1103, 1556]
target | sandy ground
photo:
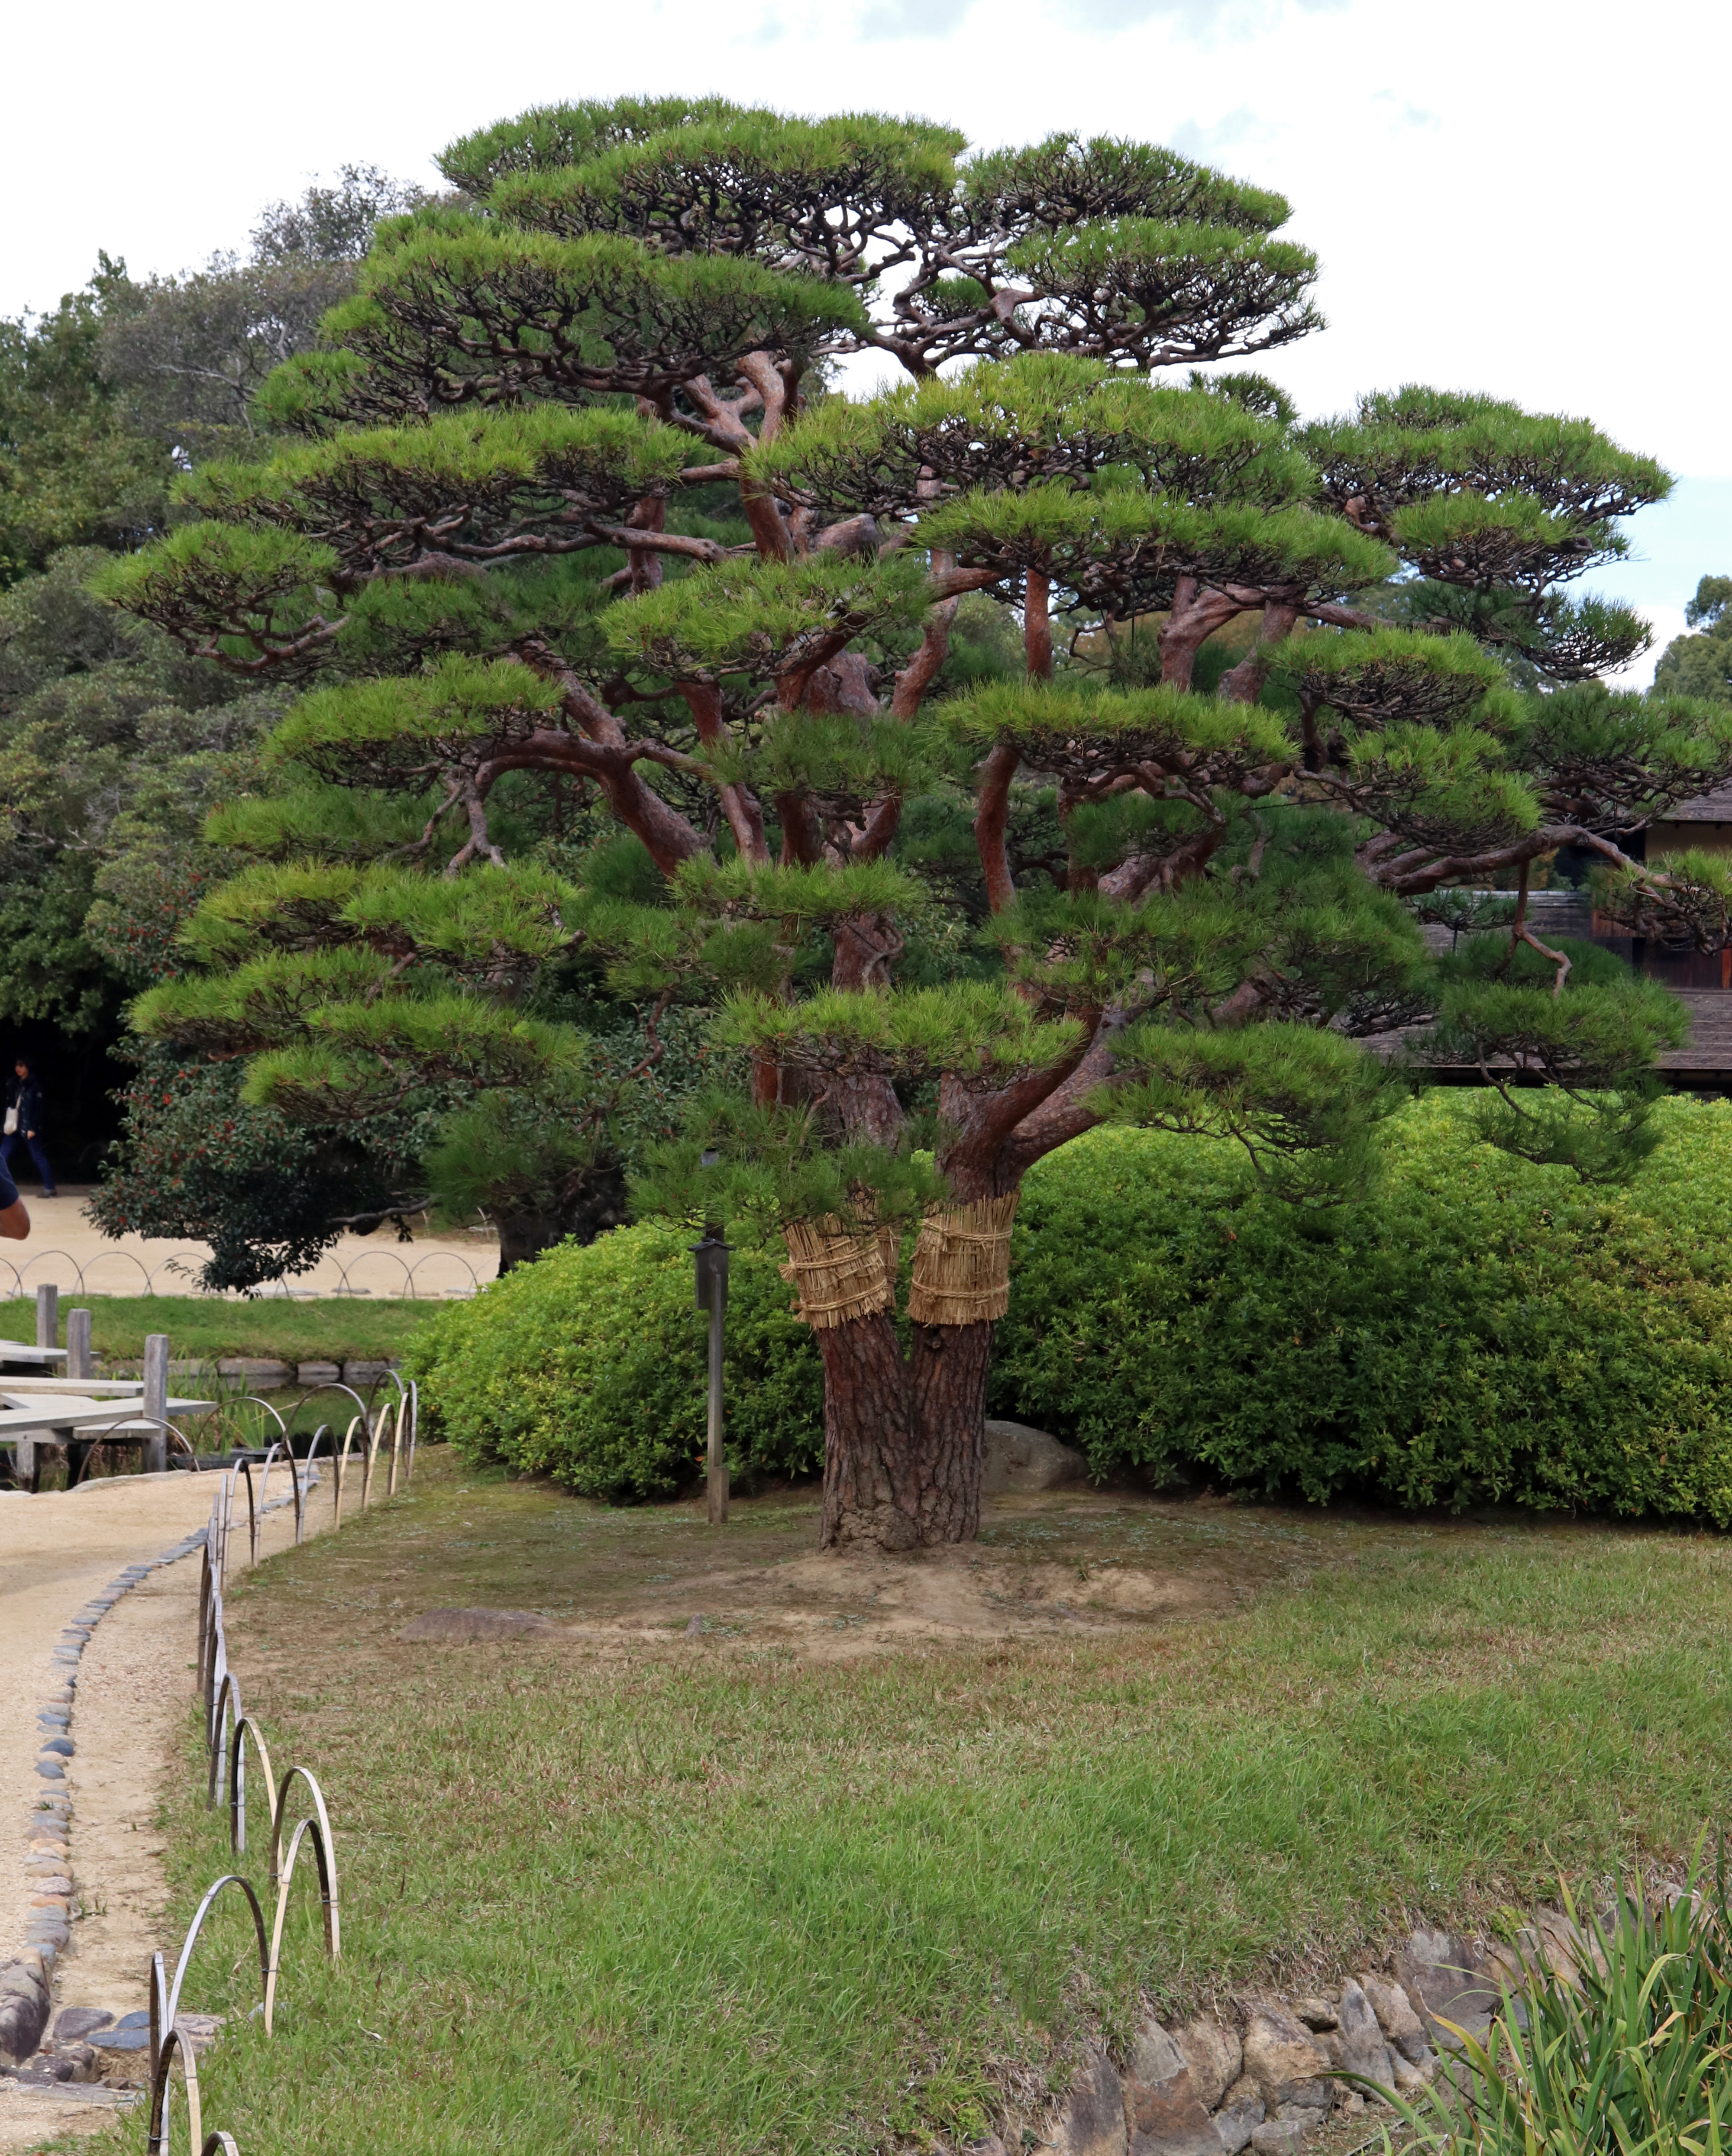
[829, 1608]
[64, 1248]
[134, 1687]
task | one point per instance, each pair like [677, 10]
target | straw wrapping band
[838, 1277]
[962, 1264]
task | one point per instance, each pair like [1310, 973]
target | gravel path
[135, 1680]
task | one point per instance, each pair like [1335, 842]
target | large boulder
[1093, 2124]
[1163, 2114]
[1395, 2017]
[1447, 1979]
[1215, 2057]
[1286, 2060]
[1240, 2114]
[1017, 1458]
[1357, 2046]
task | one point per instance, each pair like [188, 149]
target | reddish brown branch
[1037, 624]
[992, 817]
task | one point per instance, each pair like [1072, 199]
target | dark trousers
[17, 1137]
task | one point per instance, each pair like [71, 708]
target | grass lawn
[879, 1843]
[329, 1328]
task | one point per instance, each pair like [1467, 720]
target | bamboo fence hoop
[962, 1264]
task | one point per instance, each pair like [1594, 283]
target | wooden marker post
[711, 1257]
[156, 1401]
[78, 1365]
[78, 1344]
[47, 1316]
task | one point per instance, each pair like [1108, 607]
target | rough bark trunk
[901, 1445]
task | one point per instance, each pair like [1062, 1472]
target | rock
[121, 2040]
[1277, 2138]
[201, 2031]
[460, 1625]
[257, 1374]
[1093, 2122]
[1359, 2047]
[1413, 2075]
[1016, 1457]
[1445, 1980]
[1164, 2115]
[1215, 2057]
[1154, 2056]
[1395, 2017]
[62, 1745]
[23, 2010]
[362, 1374]
[1239, 2116]
[318, 1373]
[1286, 2060]
[76, 2021]
[1316, 2013]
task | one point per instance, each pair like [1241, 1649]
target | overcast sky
[1517, 195]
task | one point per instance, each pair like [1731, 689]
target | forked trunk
[902, 1443]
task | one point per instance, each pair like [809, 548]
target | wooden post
[711, 1258]
[716, 1479]
[156, 1401]
[23, 1461]
[78, 1365]
[47, 1316]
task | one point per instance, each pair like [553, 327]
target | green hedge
[1480, 1330]
[588, 1365]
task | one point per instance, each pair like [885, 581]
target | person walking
[24, 1120]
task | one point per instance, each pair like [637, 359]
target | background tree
[186, 355]
[572, 511]
[111, 744]
[73, 470]
[1701, 664]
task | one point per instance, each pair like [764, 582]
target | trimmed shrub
[588, 1365]
[1480, 1330]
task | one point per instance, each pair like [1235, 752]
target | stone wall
[1271, 2074]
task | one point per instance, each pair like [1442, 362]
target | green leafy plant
[589, 1366]
[1629, 2054]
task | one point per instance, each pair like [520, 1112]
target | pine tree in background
[1699, 663]
[578, 506]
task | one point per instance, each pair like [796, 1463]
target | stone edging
[1269, 2075]
[27, 1982]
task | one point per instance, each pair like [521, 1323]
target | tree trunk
[586, 1206]
[902, 1446]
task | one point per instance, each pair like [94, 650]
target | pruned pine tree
[573, 499]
